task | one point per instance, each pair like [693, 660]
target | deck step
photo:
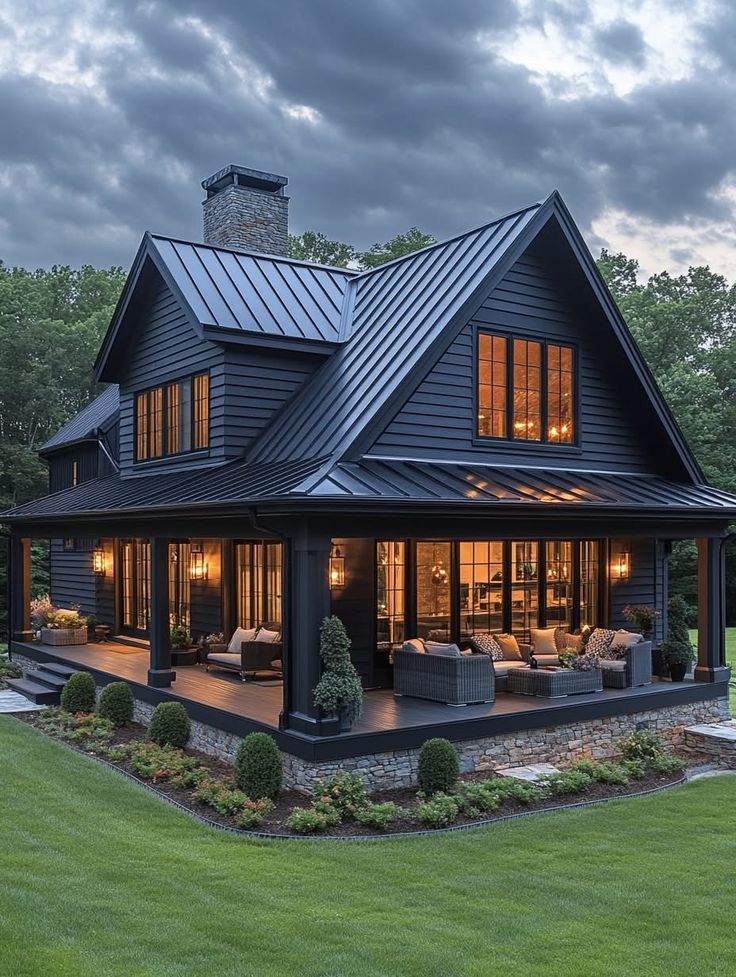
[49, 679]
[42, 695]
[58, 669]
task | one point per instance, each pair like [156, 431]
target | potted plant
[62, 627]
[183, 648]
[91, 626]
[677, 651]
[642, 618]
[338, 693]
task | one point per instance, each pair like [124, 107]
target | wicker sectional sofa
[455, 680]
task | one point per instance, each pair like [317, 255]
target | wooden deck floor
[261, 702]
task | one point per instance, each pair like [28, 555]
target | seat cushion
[225, 658]
[240, 635]
[543, 641]
[612, 664]
[501, 668]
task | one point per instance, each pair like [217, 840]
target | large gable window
[525, 390]
[172, 419]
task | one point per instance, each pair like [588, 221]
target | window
[481, 587]
[492, 386]
[179, 584]
[525, 390]
[390, 582]
[558, 588]
[434, 572]
[172, 419]
[524, 587]
[589, 581]
[75, 472]
[258, 583]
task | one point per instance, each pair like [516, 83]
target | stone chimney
[246, 209]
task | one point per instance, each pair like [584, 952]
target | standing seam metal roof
[400, 310]
[88, 420]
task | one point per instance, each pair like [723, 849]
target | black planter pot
[345, 721]
[659, 665]
[678, 671]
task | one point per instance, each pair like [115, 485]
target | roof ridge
[449, 240]
[352, 272]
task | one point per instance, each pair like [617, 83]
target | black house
[462, 441]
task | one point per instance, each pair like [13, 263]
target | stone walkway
[11, 702]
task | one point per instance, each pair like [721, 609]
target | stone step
[58, 669]
[42, 695]
[716, 740]
[49, 679]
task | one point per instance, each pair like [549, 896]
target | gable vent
[246, 209]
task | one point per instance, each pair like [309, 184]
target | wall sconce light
[622, 565]
[98, 561]
[337, 567]
[198, 569]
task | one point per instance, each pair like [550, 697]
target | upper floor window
[526, 390]
[173, 418]
[75, 472]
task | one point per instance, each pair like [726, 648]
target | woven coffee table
[553, 683]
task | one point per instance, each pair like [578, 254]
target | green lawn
[730, 658]
[98, 878]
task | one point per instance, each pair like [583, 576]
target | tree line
[52, 323]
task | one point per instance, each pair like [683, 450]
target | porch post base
[721, 673]
[299, 722]
[23, 636]
[161, 678]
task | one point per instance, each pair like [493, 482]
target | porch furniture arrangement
[255, 655]
[553, 683]
[456, 680]
[515, 654]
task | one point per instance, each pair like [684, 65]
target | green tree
[397, 247]
[315, 246]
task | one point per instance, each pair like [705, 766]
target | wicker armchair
[454, 680]
[637, 669]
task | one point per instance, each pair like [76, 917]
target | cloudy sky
[383, 114]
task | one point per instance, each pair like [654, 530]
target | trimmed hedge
[439, 766]
[78, 695]
[170, 725]
[258, 766]
[116, 703]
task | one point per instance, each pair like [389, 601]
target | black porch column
[160, 674]
[711, 666]
[19, 588]
[309, 592]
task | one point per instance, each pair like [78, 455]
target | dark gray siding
[72, 577]
[206, 595]
[354, 603]
[647, 583]
[532, 300]
[257, 384]
[60, 466]
[165, 348]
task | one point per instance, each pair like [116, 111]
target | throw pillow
[599, 642]
[268, 636]
[561, 637]
[414, 644]
[626, 639]
[510, 648]
[486, 644]
[543, 641]
[240, 635]
[574, 642]
[437, 648]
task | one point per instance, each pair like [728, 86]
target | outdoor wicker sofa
[254, 656]
[455, 680]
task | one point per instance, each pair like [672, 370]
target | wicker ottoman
[553, 683]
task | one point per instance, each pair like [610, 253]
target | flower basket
[64, 636]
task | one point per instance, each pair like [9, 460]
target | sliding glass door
[135, 587]
[258, 584]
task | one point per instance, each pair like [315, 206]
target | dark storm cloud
[418, 122]
[621, 42]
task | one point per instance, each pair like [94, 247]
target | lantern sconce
[198, 568]
[622, 565]
[98, 561]
[337, 567]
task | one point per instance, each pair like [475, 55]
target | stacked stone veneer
[559, 745]
[246, 218]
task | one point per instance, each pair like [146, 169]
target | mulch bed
[289, 799]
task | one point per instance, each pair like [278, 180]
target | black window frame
[163, 387]
[509, 438]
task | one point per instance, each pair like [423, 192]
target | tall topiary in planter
[339, 692]
[677, 651]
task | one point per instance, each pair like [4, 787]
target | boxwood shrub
[170, 725]
[258, 766]
[439, 767]
[78, 695]
[116, 703]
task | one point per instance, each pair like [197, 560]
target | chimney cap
[243, 176]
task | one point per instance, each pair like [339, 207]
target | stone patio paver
[11, 702]
[532, 772]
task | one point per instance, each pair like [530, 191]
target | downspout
[286, 617]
